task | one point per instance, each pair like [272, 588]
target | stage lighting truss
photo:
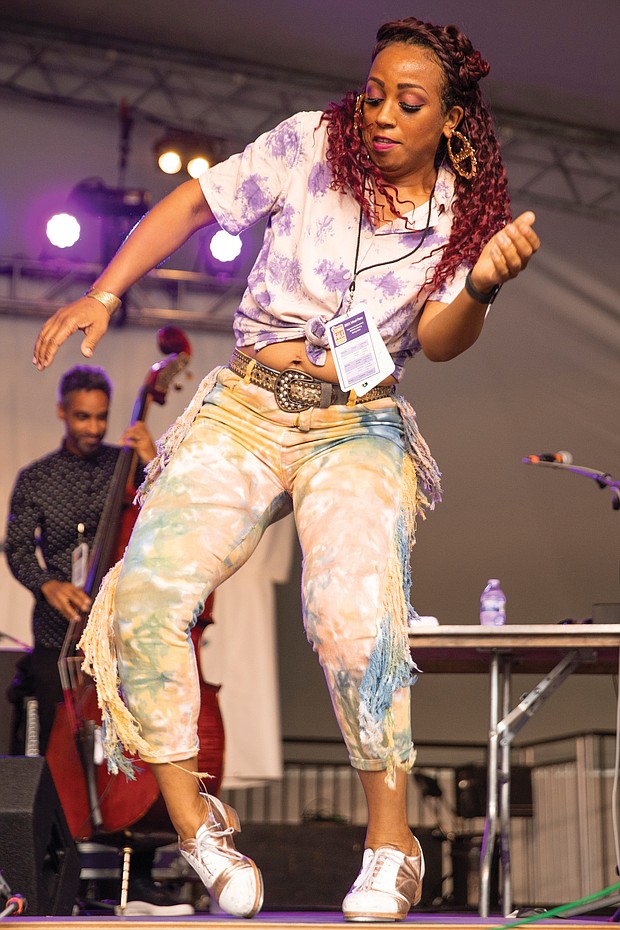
[550, 163]
[190, 152]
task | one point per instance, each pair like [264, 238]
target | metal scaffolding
[555, 164]
[171, 88]
[35, 289]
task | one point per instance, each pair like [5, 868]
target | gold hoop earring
[357, 115]
[465, 153]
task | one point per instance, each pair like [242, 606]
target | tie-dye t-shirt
[306, 263]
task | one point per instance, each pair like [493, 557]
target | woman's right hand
[86, 314]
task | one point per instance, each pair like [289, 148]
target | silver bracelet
[110, 301]
[477, 295]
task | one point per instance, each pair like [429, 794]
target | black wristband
[477, 295]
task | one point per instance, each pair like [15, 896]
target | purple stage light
[220, 254]
[63, 230]
[224, 247]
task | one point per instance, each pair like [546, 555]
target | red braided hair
[481, 204]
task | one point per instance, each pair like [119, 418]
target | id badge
[360, 355]
[79, 565]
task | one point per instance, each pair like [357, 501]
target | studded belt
[296, 390]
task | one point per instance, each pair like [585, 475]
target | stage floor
[287, 920]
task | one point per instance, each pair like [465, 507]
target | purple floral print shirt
[306, 263]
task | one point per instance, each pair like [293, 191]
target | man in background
[55, 509]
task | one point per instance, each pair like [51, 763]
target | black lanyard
[357, 271]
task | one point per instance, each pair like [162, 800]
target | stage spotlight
[118, 208]
[170, 162]
[220, 254]
[63, 230]
[197, 165]
[169, 153]
[224, 247]
[95, 197]
[194, 153]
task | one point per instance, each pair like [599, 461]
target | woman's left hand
[506, 254]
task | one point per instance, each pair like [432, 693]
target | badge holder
[361, 358]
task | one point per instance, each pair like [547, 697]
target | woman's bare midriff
[292, 354]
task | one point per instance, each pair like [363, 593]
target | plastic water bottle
[492, 604]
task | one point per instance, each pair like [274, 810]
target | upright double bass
[95, 802]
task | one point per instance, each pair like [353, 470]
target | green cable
[561, 908]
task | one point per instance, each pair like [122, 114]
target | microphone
[563, 457]
[16, 904]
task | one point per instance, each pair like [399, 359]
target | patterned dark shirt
[50, 498]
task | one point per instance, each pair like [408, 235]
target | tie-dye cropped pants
[242, 464]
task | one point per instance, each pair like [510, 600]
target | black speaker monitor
[291, 856]
[38, 856]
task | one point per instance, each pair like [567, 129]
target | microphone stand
[15, 903]
[5, 889]
[602, 478]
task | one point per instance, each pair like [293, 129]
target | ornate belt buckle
[289, 388]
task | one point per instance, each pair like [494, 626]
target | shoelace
[211, 832]
[375, 866]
